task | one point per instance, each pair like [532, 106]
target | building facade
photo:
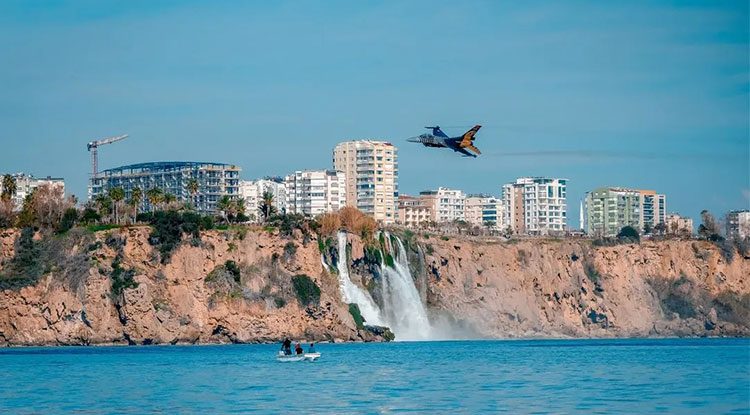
[653, 208]
[371, 171]
[215, 180]
[738, 224]
[535, 205]
[446, 205]
[26, 183]
[609, 209]
[676, 224]
[412, 213]
[315, 192]
[481, 210]
[252, 191]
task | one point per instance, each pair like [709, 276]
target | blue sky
[650, 95]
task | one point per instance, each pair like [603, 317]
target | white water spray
[403, 308]
[351, 292]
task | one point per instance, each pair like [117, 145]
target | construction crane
[92, 146]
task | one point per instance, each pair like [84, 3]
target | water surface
[695, 376]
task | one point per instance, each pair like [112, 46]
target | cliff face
[191, 299]
[237, 286]
[570, 288]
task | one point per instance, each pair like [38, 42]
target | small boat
[312, 356]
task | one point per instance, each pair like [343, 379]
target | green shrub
[628, 234]
[389, 260]
[307, 291]
[290, 249]
[357, 315]
[280, 302]
[445, 238]
[97, 228]
[68, 220]
[121, 278]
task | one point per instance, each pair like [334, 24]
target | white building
[535, 205]
[371, 170]
[315, 192]
[480, 210]
[677, 224]
[252, 191]
[25, 184]
[445, 204]
[738, 224]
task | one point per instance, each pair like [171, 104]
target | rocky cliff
[240, 285]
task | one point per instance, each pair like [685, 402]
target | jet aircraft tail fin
[468, 138]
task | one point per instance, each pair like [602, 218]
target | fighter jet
[439, 139]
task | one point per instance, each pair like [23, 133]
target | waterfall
[403, 308]
[351, 292]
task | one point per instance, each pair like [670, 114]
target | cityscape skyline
[664, 89]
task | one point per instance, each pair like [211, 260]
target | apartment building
[412, 213]
[609, 209]
[738, 224]
[315, 192]
[446, 205]
[215, 180]
[481, 209]
[371, 171]
[26, 183]
[653, 208]
[253, 190]
[676, 224]
[535, 205]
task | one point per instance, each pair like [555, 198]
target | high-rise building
[371, 171]
[609, 209]
[738, 224]
[214, 181]
[412, 213]
[480, 210]
[315, 192]
[446, 205]
[535, 205]
[25, 184]
[676, 224]
[653, 208]
[253, 191]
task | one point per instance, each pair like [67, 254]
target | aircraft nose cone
[413, 139]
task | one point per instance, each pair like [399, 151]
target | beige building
[252, 192]
[25, 185]
[676, 224]
[738, 224]
[479, 210]
[535, 205]
[412, 213]
[371, 170]
[315, 192]
[446, 205]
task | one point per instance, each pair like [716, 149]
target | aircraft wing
[468, 137]
[465, 153]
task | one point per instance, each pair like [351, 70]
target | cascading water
[403, 309]
[351, 292]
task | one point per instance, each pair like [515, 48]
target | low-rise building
[26, 183]
[412, 213]
[676, 224]
[214, 180]
[253, 190]
[535, 205]
[315, 192]
[446, 205]
[738, 224]
[483, 210]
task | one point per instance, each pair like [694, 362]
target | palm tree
[224, 205]
[136, 196]
[155, 196]
[192, 187]
[116, 194]
[266, 206]
[103, 204]
[9, 187]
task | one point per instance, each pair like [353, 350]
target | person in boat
[298, 349]
[311, 349]
[286, 346]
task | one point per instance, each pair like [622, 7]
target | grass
[97, 228]
[357, 315]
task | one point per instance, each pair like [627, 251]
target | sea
[634, 376]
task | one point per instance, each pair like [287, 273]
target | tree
[710, 228]
[329, 224]
[136, 197]
[116, 194]
[660, 228]
[9, 187]
[266, 207]
[629, 233]
[647, 228]
[169, 200]
[155, 196]
[224, 205]
[193, 187]
[7, 215]
[103, 205]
